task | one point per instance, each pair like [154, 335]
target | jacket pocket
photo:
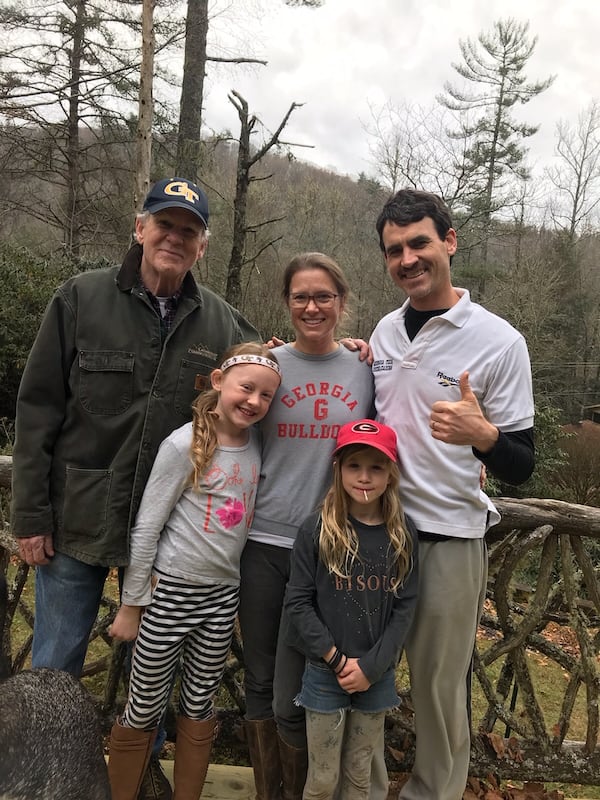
[105, 381]
[192, 380]
[86, 500]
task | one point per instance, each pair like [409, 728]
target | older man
[119, 357]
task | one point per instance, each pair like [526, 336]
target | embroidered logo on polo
[446, 380]
[383, 365]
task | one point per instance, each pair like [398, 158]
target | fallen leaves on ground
[487, 789]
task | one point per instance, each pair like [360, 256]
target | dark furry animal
[50, 737]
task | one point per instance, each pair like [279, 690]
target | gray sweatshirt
[318, 394]
[197, 536]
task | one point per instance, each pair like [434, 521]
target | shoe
[155, 784]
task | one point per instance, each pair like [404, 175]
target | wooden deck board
[223, 782]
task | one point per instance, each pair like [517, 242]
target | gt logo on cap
[181, 189]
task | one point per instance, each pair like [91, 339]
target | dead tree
[245, 162]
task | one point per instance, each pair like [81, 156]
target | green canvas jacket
[98, 395]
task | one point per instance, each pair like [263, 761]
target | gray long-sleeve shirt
[197, 536]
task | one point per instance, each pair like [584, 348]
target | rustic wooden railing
[542, 617]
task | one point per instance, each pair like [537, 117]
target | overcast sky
[348, 54]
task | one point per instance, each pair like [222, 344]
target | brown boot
[294, 766]
[128, 756]
[263, 745]
[192, 753]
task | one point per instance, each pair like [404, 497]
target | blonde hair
[338, 540]
[204, 432]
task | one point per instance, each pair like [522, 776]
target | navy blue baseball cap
[177, 193]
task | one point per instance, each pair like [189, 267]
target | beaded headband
[251, 359]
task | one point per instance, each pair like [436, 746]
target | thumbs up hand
[466, 393]
[462, 422]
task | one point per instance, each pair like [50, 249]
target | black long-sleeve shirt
[359, 615]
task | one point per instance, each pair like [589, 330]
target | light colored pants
[341, 746]
[439, 648]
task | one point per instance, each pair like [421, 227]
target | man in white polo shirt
[454, 381]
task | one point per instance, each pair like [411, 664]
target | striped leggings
[188, 623]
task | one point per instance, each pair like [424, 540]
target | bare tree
[576, 176]
[192, 89]
[575, 200]
[247, 159]
[189, 145]
[63, 73]
[410, 146]
[394, 144]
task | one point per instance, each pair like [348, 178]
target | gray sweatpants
[439, 648]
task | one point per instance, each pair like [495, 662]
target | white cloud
[338, 58]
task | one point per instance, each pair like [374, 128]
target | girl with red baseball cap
[349, 603]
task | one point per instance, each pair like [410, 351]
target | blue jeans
[321, 692]
[67, 600]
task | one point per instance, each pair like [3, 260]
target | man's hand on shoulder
[36, 550]
[364, 351]
[463, 422]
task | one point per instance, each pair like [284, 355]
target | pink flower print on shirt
[232, 513]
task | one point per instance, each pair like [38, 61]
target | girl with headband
[180, 592]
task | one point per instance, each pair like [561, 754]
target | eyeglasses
[321, 299]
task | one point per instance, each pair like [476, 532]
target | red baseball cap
[369, 433]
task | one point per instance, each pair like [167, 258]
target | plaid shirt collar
[171, 304]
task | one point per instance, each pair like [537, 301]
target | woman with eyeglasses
[324, 386]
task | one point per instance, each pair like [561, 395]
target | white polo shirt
[440, 482]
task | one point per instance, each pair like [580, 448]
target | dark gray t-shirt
[359, 614]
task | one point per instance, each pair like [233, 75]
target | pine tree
[493, 68]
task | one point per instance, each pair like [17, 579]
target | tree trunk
[145, 108]
[233, 291]
[189, 155]
[246, 160]
[72, 233]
